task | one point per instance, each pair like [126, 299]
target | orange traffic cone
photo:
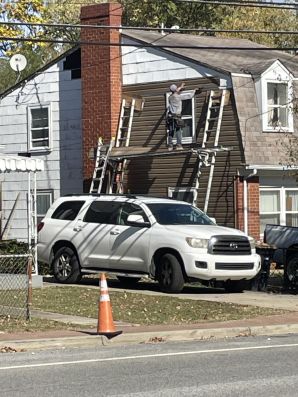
[105, 324]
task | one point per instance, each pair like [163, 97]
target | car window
[68, 210]
[131, 209]
[103, 212]
[179, 214]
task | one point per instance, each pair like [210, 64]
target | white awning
[20, 164]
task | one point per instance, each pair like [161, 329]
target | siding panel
[153, 175]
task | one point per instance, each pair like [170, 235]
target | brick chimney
[101, 80]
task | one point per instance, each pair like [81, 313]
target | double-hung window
[277, 105]
[39, 126]
[44, 199]
[278, 206]
[187, 115]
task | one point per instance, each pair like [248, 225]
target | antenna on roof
[18, 62]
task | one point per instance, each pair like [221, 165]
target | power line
[232, 3]
[144, 45]
[146, 28]
[238, 3]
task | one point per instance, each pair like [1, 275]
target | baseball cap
[173, 88]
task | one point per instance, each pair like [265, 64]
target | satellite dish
[18, 62]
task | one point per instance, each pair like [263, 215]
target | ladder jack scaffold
[108, 155]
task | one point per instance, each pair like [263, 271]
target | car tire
[128, 282]
[235, 286]
[292, 270]
[66, 267]
[169, 274]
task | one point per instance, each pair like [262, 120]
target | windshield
[179, 214]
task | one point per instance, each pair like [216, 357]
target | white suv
[134, 236]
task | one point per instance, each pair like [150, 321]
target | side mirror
[212, 219]
[137, 220]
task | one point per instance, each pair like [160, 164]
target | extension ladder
[101, 163]
[123, 138]
[214, 116]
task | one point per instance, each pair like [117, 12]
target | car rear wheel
[66, 267]
[169, 274]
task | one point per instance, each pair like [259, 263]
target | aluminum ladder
[207, 157]
[101, 164]
[123, 139]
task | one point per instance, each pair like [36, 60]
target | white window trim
[41, 148]
[282, 201]
[265, 111]
[44, 192]
[172, 190]
[191, 139]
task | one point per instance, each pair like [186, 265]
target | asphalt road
[238, 367]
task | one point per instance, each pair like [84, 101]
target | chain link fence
[15, 285]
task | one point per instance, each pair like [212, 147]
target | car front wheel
[169, 274]
[66, 267]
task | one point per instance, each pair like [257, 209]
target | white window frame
[44, 192]
[172, 190]
[282, 200]
[288, 105]
[40, 148]
[191, 139]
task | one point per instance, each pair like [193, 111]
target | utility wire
[238, 3]
[232, 3]
[143, 45]
[146, 28]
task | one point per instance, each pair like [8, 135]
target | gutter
[271, 167]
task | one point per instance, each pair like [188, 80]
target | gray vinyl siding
[153, 175]
[63, 163]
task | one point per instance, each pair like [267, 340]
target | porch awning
[20, 164]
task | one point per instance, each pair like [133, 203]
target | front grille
[233, 266]
[229, 245]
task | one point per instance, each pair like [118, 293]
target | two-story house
[60, 111]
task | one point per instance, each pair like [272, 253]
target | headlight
[197, 242]
[252, 242]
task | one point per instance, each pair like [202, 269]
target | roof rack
[102, 194]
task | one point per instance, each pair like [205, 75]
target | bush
[13, 247]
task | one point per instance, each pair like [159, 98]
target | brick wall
[101, 80]
[253, 206]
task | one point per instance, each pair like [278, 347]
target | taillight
[40, 226]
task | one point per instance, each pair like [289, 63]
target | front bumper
[221, 267]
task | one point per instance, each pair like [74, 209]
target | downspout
[245, 199]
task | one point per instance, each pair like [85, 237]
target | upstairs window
[277, 105]
[187, 115]
[39, 128]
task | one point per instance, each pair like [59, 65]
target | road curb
[148, 337]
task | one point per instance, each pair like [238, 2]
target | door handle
[114, 232]
[77, 228]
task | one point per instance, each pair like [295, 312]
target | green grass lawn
[128, 307]
[140, 308]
